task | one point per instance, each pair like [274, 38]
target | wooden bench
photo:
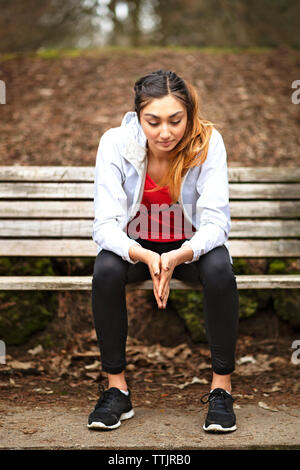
[48, 211]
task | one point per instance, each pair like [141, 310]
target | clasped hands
[161, 269]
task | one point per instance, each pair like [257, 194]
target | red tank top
[157, 220]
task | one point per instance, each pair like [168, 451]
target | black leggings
[221, 302]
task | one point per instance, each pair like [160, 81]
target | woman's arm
[110, 199]
[138, 253]
[212, 207]
[183, 254]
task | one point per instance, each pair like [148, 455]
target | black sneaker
[112, 407]
[220, 416]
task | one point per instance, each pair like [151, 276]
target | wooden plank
[264, 174]
[81, 248]
[84, 283]
[86, 173]
[265, 229]
[265, 209]
[45, 282]
[83, 228]
[265, 248]
[47, 173]
[46, 190]
[85, 209]
[48, 209]
[264, 191]
[81, 190]
[48, 247]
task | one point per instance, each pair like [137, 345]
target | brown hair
[193, 147]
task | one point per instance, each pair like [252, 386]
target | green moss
[283, 266]
[189, 306]
[248, 303]
[23, 313]
[287, 306]
[17, 266]
[47, 342]
[241, 266]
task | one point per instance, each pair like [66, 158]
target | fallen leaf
[194, 381]
[29, 431]
[25, 367]
[275, 388]
[94, 366]
[37, 350]
[92, 375]
[263, 405]
[21, 365]
[45, 390]
[246, 360]
[204, 366]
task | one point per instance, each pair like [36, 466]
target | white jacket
[120, 173]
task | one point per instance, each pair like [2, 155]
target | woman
[161, 211]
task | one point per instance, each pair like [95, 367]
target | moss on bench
[24, 313]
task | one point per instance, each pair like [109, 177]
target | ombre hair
[192, 149]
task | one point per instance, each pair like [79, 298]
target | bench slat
[83, 228]
[81, 190]
[264, 191]
[264, 174]
[17, 190]
[86, 173]
[85, 209]
[81, 248]
[49, 209]
[286, 281]
[47, 173]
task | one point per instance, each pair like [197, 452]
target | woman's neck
[160, 158]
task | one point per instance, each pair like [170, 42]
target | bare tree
[29, 24]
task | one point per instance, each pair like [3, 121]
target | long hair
[192, 149]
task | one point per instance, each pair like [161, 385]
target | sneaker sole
[100, 425]
[218, 428]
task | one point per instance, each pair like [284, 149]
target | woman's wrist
[138, 253]
[183, 254]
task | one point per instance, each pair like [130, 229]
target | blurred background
[27, 25]
[69, 68]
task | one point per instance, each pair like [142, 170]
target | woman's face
[163, 121]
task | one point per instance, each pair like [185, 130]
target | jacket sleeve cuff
[208, 237]
[196, 252]
[126, 256]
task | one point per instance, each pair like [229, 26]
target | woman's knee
[108, 268]
[217, 269]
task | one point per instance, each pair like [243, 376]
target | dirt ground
[56, 111]
[161, 373]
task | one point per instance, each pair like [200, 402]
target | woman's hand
[153, 262]
[168, 263]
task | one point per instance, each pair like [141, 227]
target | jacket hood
[131, 124]
[135, 140]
